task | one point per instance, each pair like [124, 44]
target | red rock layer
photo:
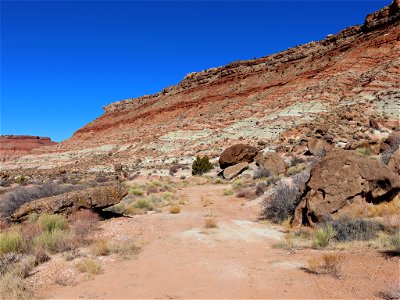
[360, 62]
[13, 146]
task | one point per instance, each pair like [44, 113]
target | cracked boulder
[341, 178]
[270, 161]
[236, 154]
[95, 198]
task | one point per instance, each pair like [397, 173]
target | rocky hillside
[13, 146]
[340, 84]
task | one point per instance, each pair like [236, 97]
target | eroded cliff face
[257, 101]
[14, 146]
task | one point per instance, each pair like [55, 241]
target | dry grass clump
[51, 223]
[288, 244]
[100, 248]
[59, 273]
[174, 209]
[88, 265]
[330, 264]
[210, 222]
[229, 192]
[13, 286]
[205, 201]
[124, 249]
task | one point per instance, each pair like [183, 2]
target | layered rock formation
[270, 101]
[13, 146]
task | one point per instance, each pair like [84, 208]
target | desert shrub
[296, 161]
[349, 229]
[364, 151]
[83, 222]
[13, 199]
[210, 222]
[51, 240]
[89, 265]
[13, 286]
[229, 192]
[282, 203]
[22, 180]
[201, 165]
[174, 209]
[24, 267]
[29, 232]
[261, 188]
[144, 203]
[324, 235]
[394, 145]
[136, 191]
[7, 260]
[329, 263]
[392, 292]
[261, 173]
[174, 169]
[41, 255]
[395, 241]
[52, 222]
[10, 242]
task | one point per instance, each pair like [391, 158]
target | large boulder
[318, 146]
[394, 162]
[233, 171]
[343, 177]
[91, 198]
[270, 161]
[236, 154]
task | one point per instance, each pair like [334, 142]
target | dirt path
[182, 259]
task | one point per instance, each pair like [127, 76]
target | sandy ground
[182, 259]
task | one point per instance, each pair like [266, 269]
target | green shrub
[201, 165]
[52, 222]
[10, 242]
[136, 191]
[144, 203]
[50, 240]
[324, 235]
[364, 151]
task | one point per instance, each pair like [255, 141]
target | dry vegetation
[329, 263]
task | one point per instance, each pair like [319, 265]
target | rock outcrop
[92, 198]
[270, 161]
[13, 146]
[236, 154]
[343, 177]
[233, 171]
[343, 80]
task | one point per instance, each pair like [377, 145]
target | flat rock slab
[235, 170]
[91, 198]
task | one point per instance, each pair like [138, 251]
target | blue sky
[62, 61]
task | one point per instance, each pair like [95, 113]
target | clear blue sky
[62, 61]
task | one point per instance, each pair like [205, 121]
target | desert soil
[182, 259]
